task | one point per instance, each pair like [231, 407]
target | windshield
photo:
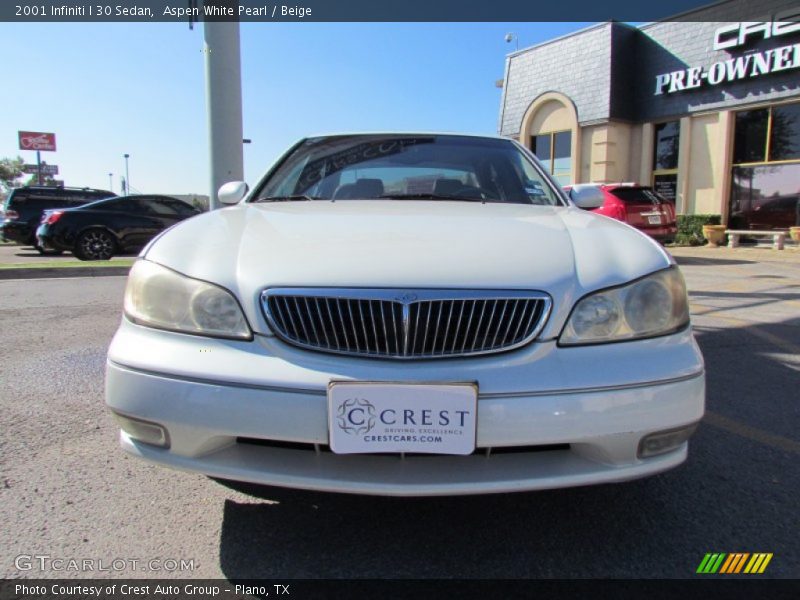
[417, 167]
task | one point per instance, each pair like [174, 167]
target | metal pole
[224, 104]
[127, 176]
[39, 167]
[111, 182]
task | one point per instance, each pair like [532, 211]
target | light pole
[512, 36]
[127, 176]
[224, 104]
[111, 182]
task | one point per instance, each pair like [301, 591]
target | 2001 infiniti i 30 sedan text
[406, 314]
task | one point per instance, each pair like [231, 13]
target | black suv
[24, 207]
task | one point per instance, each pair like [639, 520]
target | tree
[10, 171]
[46, 180]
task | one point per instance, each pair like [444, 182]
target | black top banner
[377, 11]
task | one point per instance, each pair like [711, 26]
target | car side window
[41, 203]
[159, 207]
[181, 208]
[121, 205]
[16, 198]
[78, 200]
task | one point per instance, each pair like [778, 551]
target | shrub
[690, 228]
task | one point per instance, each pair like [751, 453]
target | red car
[636, 205]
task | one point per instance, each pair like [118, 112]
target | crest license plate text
[396, 417]
[654, 220]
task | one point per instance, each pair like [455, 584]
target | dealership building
[705, 107]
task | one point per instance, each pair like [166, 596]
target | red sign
[36, 140]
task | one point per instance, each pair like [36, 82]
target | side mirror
[587, 197]
[232, 192]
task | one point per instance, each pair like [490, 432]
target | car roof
[151, 196]
[59, 188]
[626, 184]
[131, 197]
[606, 186]
[411, 133]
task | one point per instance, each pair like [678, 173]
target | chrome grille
[405, 324]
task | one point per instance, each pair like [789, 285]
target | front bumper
[230, 425]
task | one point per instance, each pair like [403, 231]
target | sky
[107, 89]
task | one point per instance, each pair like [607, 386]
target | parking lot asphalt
[67, 491]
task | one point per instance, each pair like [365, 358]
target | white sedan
[406, 314]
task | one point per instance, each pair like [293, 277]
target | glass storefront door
[665, 159]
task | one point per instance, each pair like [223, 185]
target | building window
[554, 151]
[785, 133]
[665, 159]
[767, 135]
[750, 136]
[766, 168]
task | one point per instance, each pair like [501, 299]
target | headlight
[651, 306]
[159, 297]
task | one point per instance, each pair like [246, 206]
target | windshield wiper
[287, 198]
[429, 196]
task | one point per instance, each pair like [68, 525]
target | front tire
[95, 244]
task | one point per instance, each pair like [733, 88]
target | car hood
[563, 251]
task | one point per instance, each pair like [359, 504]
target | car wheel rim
[97, 245]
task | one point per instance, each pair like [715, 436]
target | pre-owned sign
[755, 64]
[37, 140]
[733, 69]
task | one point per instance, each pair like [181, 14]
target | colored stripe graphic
[759, 562]
[741, 562]
[765, 563]
[711, 562]
[703, 563]
[727, 564]
[733, 563]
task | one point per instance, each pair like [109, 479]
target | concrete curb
[50, 272]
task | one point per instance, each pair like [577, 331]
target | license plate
[367, 417]
[654, 220]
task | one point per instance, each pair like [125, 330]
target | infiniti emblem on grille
[406, 297]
